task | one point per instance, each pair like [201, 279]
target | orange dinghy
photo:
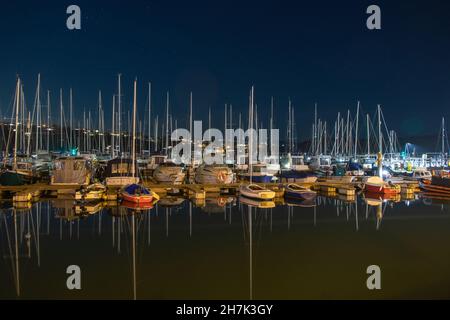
[136, 193]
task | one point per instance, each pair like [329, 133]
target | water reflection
[128, 229]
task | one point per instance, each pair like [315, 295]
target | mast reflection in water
[226, 248]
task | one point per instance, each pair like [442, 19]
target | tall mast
[443, 137]
[380, 143]
[156, 132]
[119, 97]
[289, 126]
[167, 123]
[356, 129]
[113, 147]
[315, 128]
[225, 118]
[149, 116]
[230, 124]
[271, 123]
[250, 149]
[38, 107]
[16, 133]
[190, 123]
[380, 138]
[70, 120]
[133, 151]
[48, 121]
[368, 134]
[100, 120]
[61, 117]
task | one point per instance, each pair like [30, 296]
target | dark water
[221, 249]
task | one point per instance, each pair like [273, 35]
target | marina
[213, 152]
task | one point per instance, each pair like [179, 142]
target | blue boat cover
[136, 188]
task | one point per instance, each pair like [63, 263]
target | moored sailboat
[136, 193]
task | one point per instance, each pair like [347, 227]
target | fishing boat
[293, 190]
[255, 191]
[377, 185]
[214, 174]
[169, 172]
[93, 192]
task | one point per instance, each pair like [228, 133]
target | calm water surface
[225, 249]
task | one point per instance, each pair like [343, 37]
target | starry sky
[310, 51]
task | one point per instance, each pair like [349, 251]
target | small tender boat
[379, 186]
[93, 192]
[293, 190]
[137, 193]
[255, 191]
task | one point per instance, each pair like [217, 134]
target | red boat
[137, 206]
[376, 185]
[136, 193]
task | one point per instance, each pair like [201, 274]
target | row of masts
[34, 131]
[347, 139]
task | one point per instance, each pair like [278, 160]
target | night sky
[311, 51]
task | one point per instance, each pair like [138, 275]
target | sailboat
[253, 190]
[18, 173]
[376, 184]
[135, 192]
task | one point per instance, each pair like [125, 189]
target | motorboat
[214, 174]
[169, 172]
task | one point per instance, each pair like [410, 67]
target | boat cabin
[118, 172]
[71, 171]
